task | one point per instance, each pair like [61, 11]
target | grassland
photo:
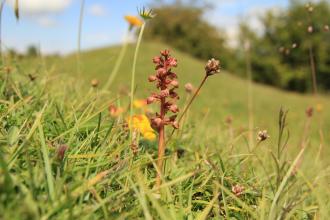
[101, 178]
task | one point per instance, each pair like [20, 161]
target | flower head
[212, 67]
[262, 135]
[141, 123]
[237, 189]
[146, 14]
[133, 21]
[115, 111]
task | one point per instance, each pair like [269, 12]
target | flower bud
[237, 190]
[157, 122]
[175, 124]
[189, 88]
[61, 152]
[94, 83]
[309, 112]
[161, 71]
[165, 53]
[172, 62]
[156, 60]
[150, 100]
[174, 108]
[152, 78]
[175, 83]
[164, 93]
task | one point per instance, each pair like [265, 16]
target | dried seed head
[326, 28]
[309, 112]
[94, 83]
[310, 29]
[212, 67]
[262, 135]
[294, 45]
[189, 88]
[237, 190]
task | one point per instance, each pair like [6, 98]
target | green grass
[101, 178]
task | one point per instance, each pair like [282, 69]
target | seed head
[262, 135]
[212, 67]
[326, 28]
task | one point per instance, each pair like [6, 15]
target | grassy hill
[63, 157]
[223, 95]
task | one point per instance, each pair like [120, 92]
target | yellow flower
[140, 103]
[142, 124]
[133, 21]
[319, 107]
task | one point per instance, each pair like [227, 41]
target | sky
[52, 25]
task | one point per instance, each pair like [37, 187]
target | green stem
[134, 72]
[118, 63]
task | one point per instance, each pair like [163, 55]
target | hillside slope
[223, 95]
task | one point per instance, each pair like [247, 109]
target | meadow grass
[100, 177]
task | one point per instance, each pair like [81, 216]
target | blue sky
[53, 24]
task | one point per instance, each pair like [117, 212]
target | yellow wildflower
[319, 107]
[140, 103]
[142, 124]
[133, 21]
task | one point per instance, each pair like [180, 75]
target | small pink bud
[237, 190]
[175, 83]
[172, 62]
[164, 93]
[156, 60]
[152, 78]
[175, 124]
[150, 100]
[165, 53]
[189, 88]
[157, 122]
[161, 71]
[174, 108]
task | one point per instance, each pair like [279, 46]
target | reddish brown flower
[237, 190]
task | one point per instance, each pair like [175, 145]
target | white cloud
[97, 10]
[45, 21]
[34, 7]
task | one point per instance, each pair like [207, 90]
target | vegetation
[285, 43]
[64, 155]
